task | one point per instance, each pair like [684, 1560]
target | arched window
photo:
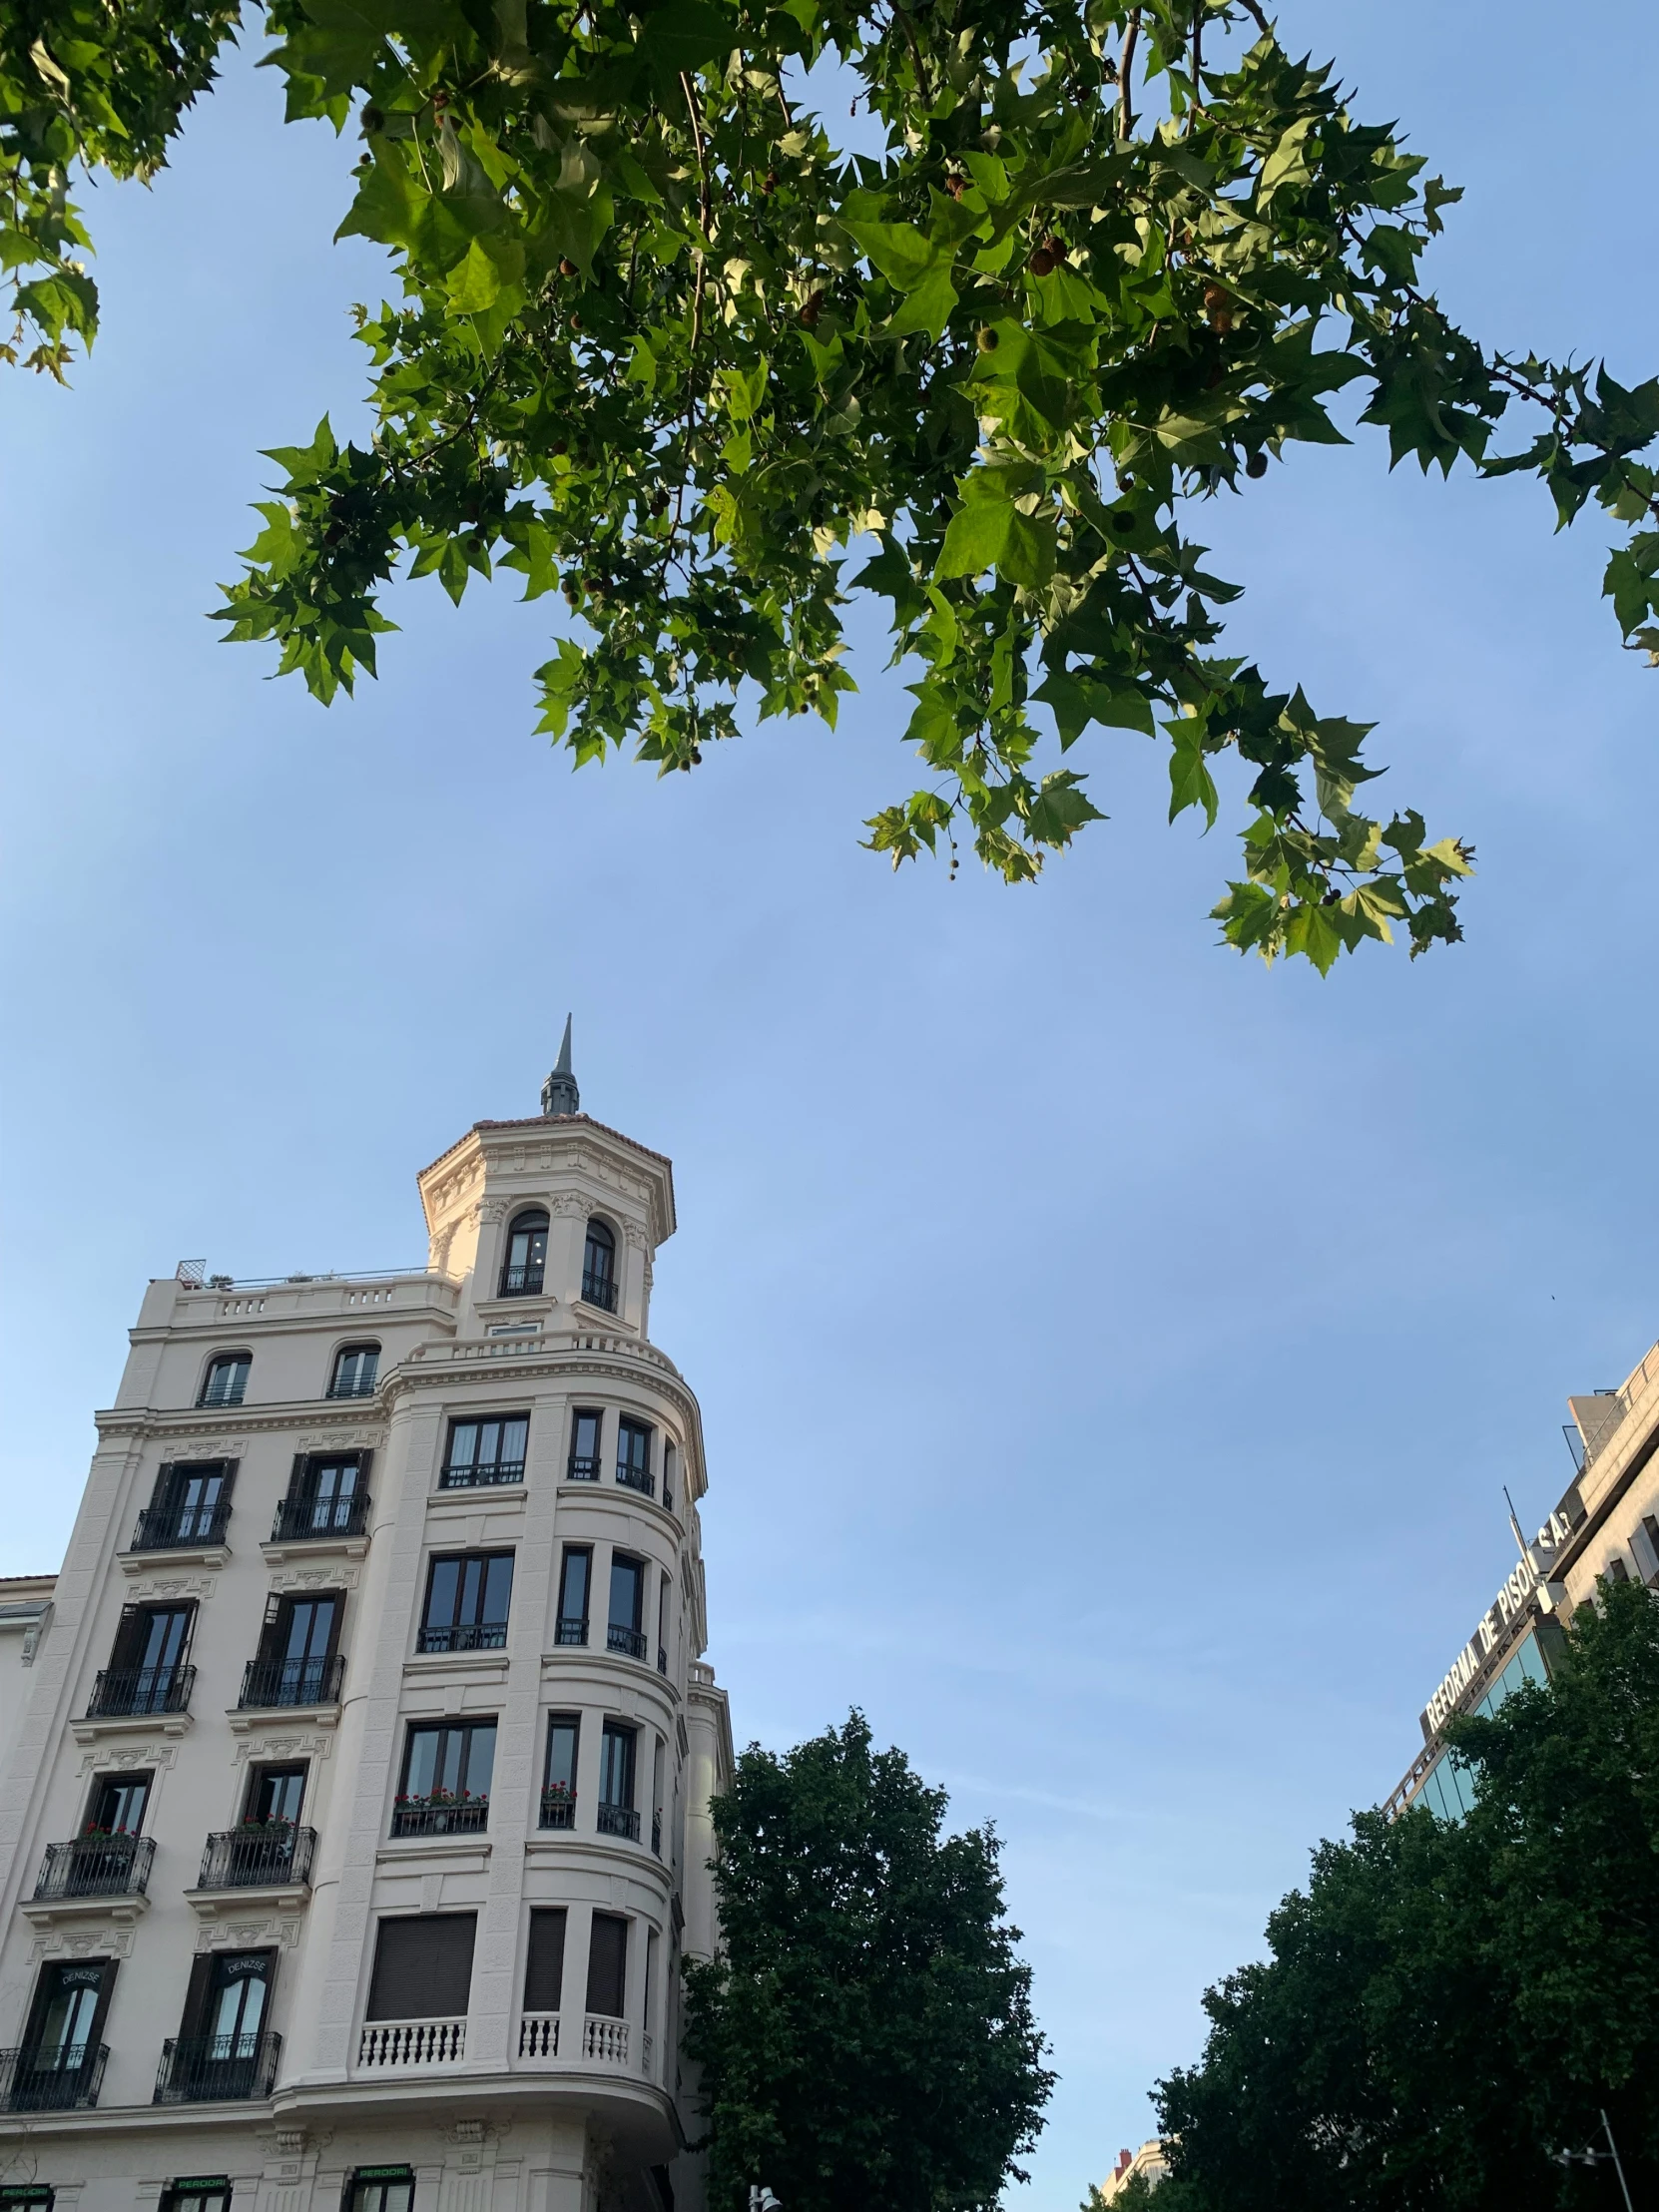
[227, 1378]
[599, 1266]
[525, 1267]
[354, 1370]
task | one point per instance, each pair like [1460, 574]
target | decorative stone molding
[315, 1578]
[119, 1758]
[149, 1586]
[280, 1928]
[295, 1745]
[490, 1211]
[567, 1202]
[85, 1942]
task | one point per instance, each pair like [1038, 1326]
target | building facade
[355, 1815]
[1605, 1525]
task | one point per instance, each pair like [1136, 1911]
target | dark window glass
[189, 1505]
[147, 1666]
[574, 1579]
[117, 1805]
[226, 1380]
[1618, 1572]
[544, 1965]
[380, 2189]
[239, 1992]
[329, 1490]
[616, 1765]
[608, 1964]
[584, 1443]
[29, 2196]
[354, 1370]
[599, 1267]
[68, 2012]
[199, 2195]
[525, 1267]
[633, 1456]
[466, 1602]
[482, 1452]
[448, 1764]
[422, 1967]
[275, 1793]
[558, 1790]
[623, 1623]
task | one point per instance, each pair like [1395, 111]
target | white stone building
[354, 1818]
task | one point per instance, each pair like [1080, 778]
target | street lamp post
[1588, 2156]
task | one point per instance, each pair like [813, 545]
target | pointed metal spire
[559, 1094]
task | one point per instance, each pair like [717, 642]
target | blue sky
[1111, 1352]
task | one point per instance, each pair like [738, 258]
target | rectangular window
[482, 1453]
[26, 2196]
[1650, 1529]
[298, 1662]
[544, 1966]
[558, 1790]
[575, 1576]
[608, 1964]
[327, 1496]
[447, 1780]
[1618, 1572]
[61, 2059]
[355, 1366]
[663, 1587]
[622, 1630]
[585, 1425]
[191, 1506]
[224, 2047]
[671, 1457]
[148, 1670]
[422, 1967]
[199, 2193]
[380, 2189]
[617, 1814]
[275, 1797]
[633, 1456]
[467, 1594]
[117, 1803]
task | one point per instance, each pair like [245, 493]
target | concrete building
[1148, 2162]
[354, 1819]
[1605, 1525]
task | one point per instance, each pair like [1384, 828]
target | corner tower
[357, 1817]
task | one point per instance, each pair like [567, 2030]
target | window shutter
[296, 1474]
[607, 1966]
[230, 1467]
[544, 1970]
[365, 1459]
[129, 1639]
[196, 1996]
[422, 1967]
[161, 1494]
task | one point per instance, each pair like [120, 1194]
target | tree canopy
[1448, 2007]
[660, 346]
[865, 2037]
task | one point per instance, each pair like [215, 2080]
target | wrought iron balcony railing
[482, 1475]
[172, 1527]
[262, 1855]
[467, 1636]
[96, 1865]
[584, 1467]
[636, 1478]
[620, 1820]
[267, 1684]
[217, 2069]
[599, 1290]
[312, 1520]
[630, 1641]
[123, 1693]
[521, 1282]
[465, 1816]
[558, 1808]
[65, 2079]
[572, 1629]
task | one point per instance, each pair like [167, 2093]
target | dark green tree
[1449, 2005]
[660, 346]
[865, 2037]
